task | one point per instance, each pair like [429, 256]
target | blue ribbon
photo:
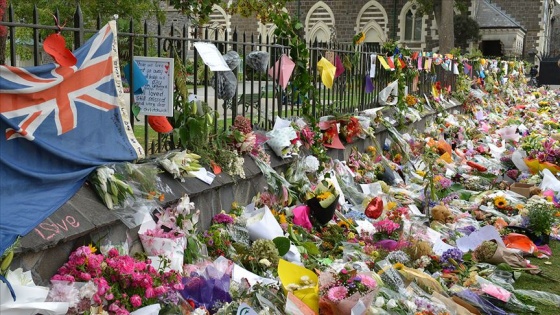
[9, 286]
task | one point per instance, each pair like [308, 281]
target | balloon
[55, 45]
[375, 208]
[160, 124]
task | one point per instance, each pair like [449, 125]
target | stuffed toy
[441, 213]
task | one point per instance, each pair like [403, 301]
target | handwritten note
[157, 96]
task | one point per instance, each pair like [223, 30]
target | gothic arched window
[413, 25]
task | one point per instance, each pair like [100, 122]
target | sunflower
[500, 202]
[398, 266]
[324, 195]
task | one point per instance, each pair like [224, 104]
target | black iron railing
[258, 96]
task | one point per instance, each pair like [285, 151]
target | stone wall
[529, 15]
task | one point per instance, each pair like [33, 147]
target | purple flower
[222, 218]
[451, 257]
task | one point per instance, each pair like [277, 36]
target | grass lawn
[139, 133]
[530, 282]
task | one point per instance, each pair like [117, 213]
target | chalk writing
[49, 228]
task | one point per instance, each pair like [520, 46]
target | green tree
[199, 11]
[443, 11]
[135, 10]
[466, 30]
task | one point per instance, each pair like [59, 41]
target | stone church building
[513, 28]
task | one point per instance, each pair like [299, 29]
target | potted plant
[540, 215]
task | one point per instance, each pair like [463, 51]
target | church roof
[488, 15]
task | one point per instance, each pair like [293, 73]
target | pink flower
[337, 294]
[102, 285]
[85, 276]
[150, 293]
[113, 307]
[109, 296]
[135, 300]
[160, 290]
[368, 281]
[113, 252]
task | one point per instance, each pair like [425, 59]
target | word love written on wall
[66, 223]
[157, 96]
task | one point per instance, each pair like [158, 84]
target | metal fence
[258, 96]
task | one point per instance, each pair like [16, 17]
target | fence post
[12, 37]
[35, 36]
[79, 24]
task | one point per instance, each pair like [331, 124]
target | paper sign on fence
[211, 56]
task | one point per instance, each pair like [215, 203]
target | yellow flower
[351, 236]
[92, 248]
[359, 38]
[344, 224]
[324, 195]
[398, 266]
[282, 219]
[500, 202]
[391, 205]
[421, 173]
[372, 150]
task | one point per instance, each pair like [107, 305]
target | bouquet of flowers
[350, 128]
[110, 187]
[208, 285]
[542, 152]
[117, 283]
[341, 291]
[367, 168]
[181, 164]
[241, 135]
[172, 233]
[323, 201]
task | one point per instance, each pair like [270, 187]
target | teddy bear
[441, 213]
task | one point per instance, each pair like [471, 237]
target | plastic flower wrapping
[341, 290]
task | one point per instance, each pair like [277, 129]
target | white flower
[88, 290]
[199, 311]
[391, 304]
[265, 262]
[379, 301]
[410, 305]
[20, 278]
[311, 164]
[373, 311]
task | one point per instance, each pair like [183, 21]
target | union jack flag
[60, 123]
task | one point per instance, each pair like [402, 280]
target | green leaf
[135, 110]
[298, 26]
[183, 134]
[311, 248]
[325, 261]
[283, 245]
[505, 267]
